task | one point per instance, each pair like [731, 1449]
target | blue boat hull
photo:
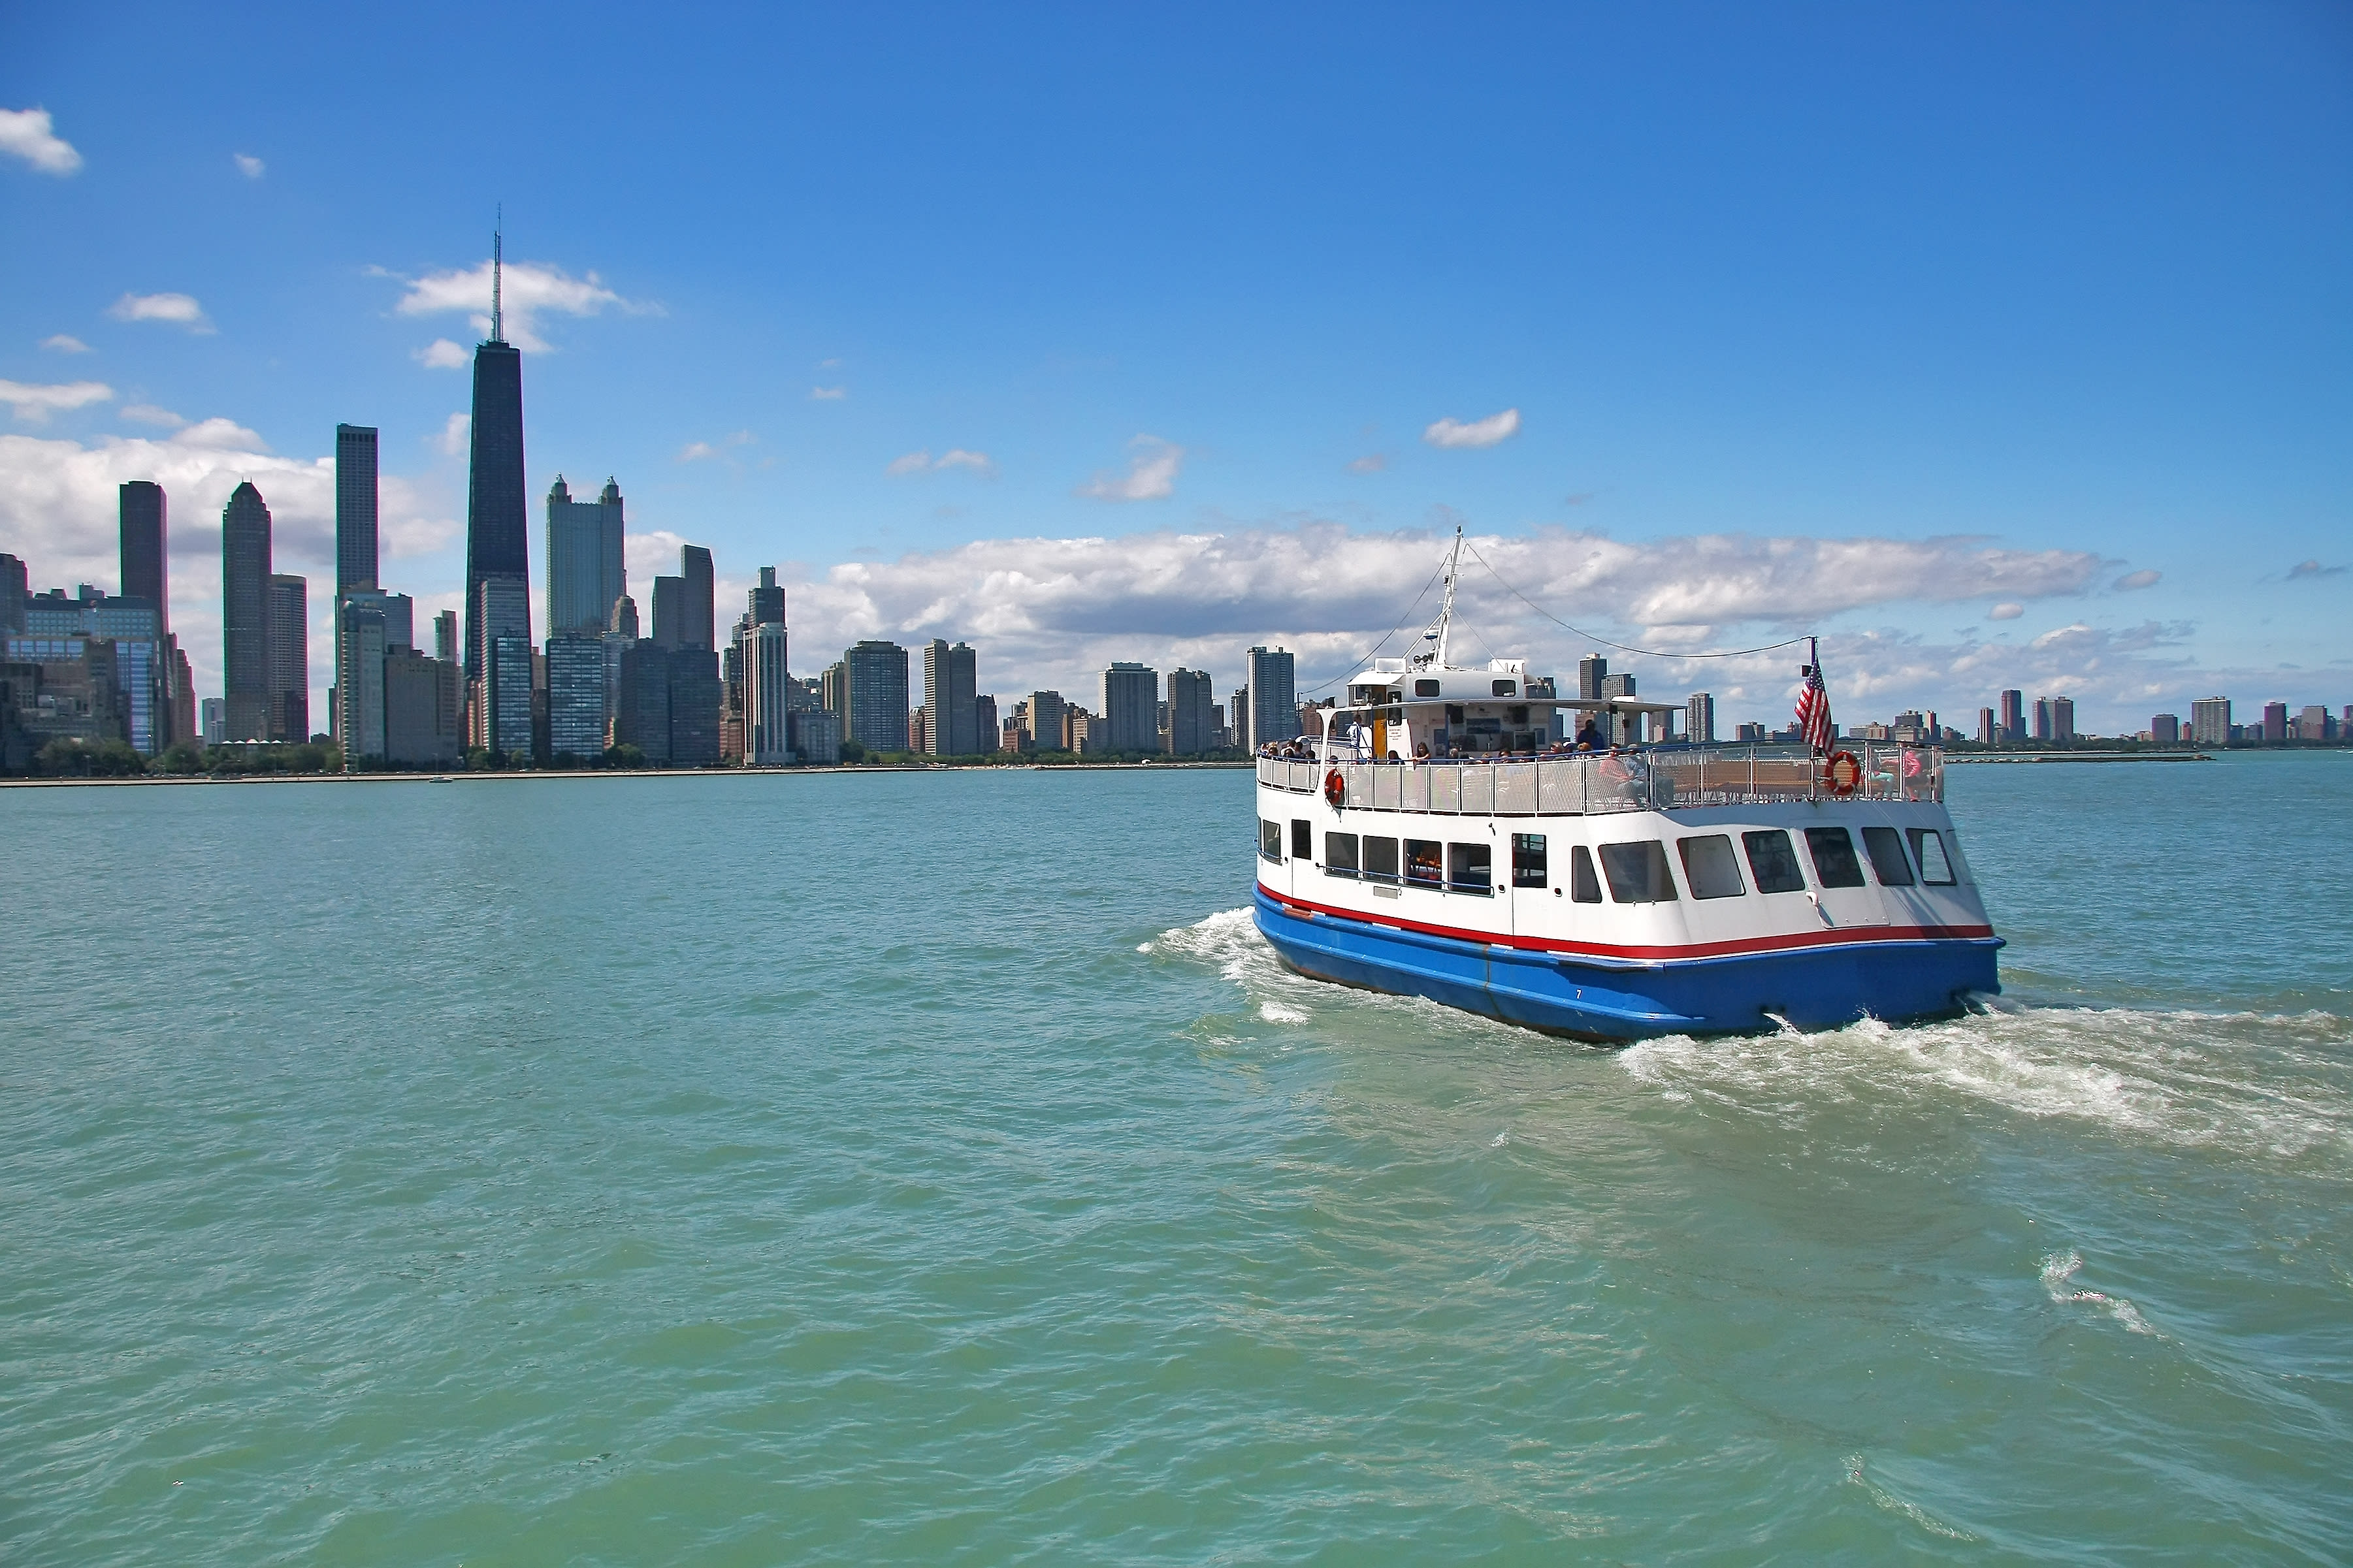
[1821, 987]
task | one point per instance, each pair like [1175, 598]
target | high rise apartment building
[2063, 718]
[287, 620]
[2209, 721]
[699, 627]
[444, 635]
[2165, 729]
[767, 692]
[1047, 720]
[2013, 716]
[1591, 671]
[1131, 709]
[355, 510]
[245, 615]
[1699, 717]
[145, 567]
[576, 696]
[2274, 721]
[585, 575]
[422, 711]
[1273, 705]
[16, 589]
[1192, 714]
[1987, 733]
[874, 695]
[951, 698]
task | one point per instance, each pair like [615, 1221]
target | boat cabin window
[1506, 688]
[1518, 716]
[1470, 868]
[1425, 689]
[1303, 840]
[1638, 872]
[1454, 713]
[1583, 885]
[1269, 839]
[1529, 860]
[1380, 859]
[1887, 858]
[1773, 862]
[1340, 854]
[1711, 867]
[1834, 862]
[1425, 862]
[1936, 866]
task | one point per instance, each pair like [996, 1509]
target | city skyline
[2021, 474]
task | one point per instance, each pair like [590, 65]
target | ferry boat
[1428, 843]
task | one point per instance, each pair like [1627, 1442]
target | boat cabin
[1404, 713]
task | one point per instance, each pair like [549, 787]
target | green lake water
[809, 1169]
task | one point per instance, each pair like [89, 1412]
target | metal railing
[1658, 778]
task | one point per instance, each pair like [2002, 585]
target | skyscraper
[1699, 717]
[360, 649]
[355, 508]
[951, 688]
[2043, 717]
[584, 575]
[875, 695]
[15, 590]
[245, 615]
[287, 620]
[2209, 721]
[1130, 708]
[1048, 717]
[670, 614]
[767, 600]
[145, 573]
[1192, 711]
[1274, 709]
[497, 548]
[2063, 718]
[767, 696]
[444, 635]
[700, 626]
[2013, 715]
[576, 695]
[1591, 671]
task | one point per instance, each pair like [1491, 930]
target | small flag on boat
[1814, 704]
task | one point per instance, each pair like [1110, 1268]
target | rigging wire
[1367, 657]
[1605, 642]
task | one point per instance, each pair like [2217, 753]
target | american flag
[1814, 705]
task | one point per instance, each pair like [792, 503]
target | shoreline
[523, 775]
[1974, 759]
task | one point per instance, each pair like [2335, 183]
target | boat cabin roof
[1390, 682]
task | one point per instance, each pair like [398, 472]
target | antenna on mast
[1436, 636]
[498, 276]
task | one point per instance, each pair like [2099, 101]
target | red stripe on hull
[1611, 949]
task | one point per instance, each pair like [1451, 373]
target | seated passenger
[1421, 751]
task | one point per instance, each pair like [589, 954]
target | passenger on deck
[1421, 751]
[1589, 737]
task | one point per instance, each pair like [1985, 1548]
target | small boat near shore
[1425, 844]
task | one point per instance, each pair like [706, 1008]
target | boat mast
[1437, 634]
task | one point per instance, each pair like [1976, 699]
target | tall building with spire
[496, 546]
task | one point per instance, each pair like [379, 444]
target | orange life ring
[1843, 772]
[1335, 789]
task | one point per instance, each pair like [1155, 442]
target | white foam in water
[2059, 1272]
[2273, 1084]
[1858, 1475]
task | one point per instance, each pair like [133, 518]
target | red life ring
[1843, 772]
[1335, 789]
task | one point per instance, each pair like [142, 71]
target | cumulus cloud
[251, 167]
[34, 403]
[225, 434]
[1485, 432]
[2007, 610]
[1152, 466]
[953, 457]
[30, 134]
[65, 343]
[2313, 569]
[2130, 581]
[827, 393]
[148, 414]
[180, 309]
[454, 431]
[530, 289]
[440, 354]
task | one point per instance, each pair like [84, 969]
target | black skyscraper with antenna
[496, 546]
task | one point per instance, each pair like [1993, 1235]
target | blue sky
[1936, 329]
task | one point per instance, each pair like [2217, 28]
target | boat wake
[2059, 1272]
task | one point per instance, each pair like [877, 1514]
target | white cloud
[34, 403]
[454, 431]
[827, 393]
[1370, 463]
[27, 133]
[697, 451]
[646, 556]
[1151, 473]
[439, 354]
[251, 167]
[180, 309]
[529, 290]
[148, 414]
[953, 457]
[1485, 432]
[2143, 578]
[2313, 569]
[65, 343]
[225, 434]
[2009, 610]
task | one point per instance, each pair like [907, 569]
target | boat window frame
[1470, 867]
[1757, 873]
[1706, 884]
[1919, 836]
[1387, 851]
[1884, 846]
[1338, 861]
[1584, 882]
[1435, 860]
[1531, 861]
[1269, 840]
[1834, 833]
[1302, 839]
[1656, 868]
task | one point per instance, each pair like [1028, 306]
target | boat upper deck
[1653, 778]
